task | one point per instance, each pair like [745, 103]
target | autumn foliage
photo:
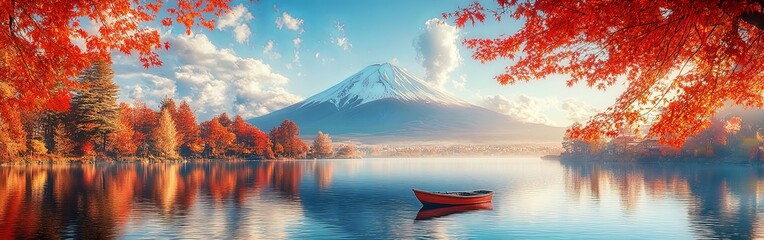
[217, 137]
[285, 138]
[680, 59]
[45, 46]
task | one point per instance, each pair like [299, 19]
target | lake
[372, 199]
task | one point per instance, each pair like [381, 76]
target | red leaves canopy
[44, 45]
[682, 60]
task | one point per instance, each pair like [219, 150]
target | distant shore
[644, 159]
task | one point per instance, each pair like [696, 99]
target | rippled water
[372, 198]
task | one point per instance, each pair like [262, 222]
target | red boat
[453, 198]
[428, 212]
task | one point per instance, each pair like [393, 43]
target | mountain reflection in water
[372, 199]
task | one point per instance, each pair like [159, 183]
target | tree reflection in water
[97, 200]
[723, 200]
[372, 198]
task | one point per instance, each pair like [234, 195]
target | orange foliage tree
[121, 141]
[45, 45]
[286, 136]
[250, 140]
[144, 122]
[185, 121]
[683, 59]
[217, 137]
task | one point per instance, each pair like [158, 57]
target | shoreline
[633, 159]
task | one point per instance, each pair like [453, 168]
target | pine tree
[322, 145]
[168, 104]
[95, 106]
[165, 141]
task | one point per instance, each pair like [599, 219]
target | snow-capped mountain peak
[381, 81]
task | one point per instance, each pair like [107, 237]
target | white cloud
[395, 61]
[459, 83]
[437, 51]
[269, 50]
[296, 41]
[237, 19]
[212, 97]
[192, 75]
[578, 111]
[135, 92]
[213, 80]
[148, 87]
[344, 43]
[241, 33]
[341, 40]
[524, 108]
[291, 23]
[529, 109]
[323, 60]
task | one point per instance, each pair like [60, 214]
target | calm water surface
[372, 198]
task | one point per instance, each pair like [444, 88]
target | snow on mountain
[381, 81]
[385, 103]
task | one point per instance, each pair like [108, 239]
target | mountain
[385, 103]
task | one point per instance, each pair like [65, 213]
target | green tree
[95, 106]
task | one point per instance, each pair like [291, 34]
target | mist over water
[372, 198]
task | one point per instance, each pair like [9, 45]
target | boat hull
[440, 199]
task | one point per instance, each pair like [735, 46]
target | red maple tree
[45, 45]
[681, 59]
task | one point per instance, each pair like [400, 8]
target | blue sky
[266, 55]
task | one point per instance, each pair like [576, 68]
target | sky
[266, 55]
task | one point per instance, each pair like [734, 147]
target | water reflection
[722, 200]
[429, 212]
[97, 201]
[373, 199]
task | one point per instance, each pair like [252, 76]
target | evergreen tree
[165, 142]
[168, 104]
[95, 106]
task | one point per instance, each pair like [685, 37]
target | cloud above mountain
[548, 111]
[213, 80]
[437, 51]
